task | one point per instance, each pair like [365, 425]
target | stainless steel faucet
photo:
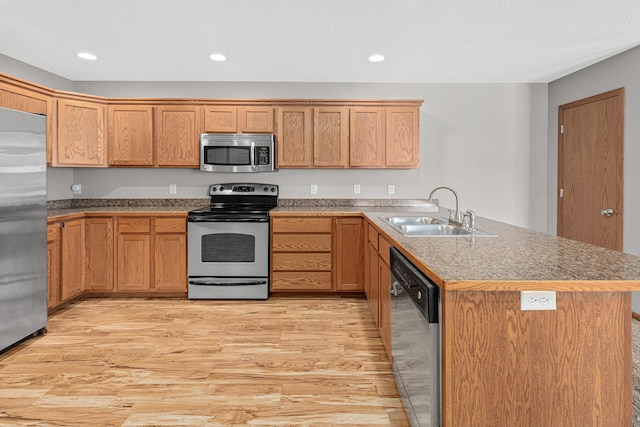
[457, 218]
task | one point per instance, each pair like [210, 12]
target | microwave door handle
[252, 155]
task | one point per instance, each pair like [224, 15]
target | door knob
[606, 212]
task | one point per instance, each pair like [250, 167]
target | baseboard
[635, 315]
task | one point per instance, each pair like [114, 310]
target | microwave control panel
[263, 156]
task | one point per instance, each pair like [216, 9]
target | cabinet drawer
[301, 281]
[373, 237]
[384, 249]
[301, 262]
[134, 225]
[52, 231]
[301, 225]
[301, 242]
[170, 225]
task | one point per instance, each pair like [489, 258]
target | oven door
[228, 249]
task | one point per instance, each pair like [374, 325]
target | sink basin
[412, 220]
[425, 226]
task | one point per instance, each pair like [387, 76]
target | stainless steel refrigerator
[23, 226]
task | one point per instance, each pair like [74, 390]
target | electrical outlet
[313, 189]
[356, 188]
[173, 189]
[391, 189]
[537, 300]
[76, 188]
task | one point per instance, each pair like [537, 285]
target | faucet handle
[470, 219]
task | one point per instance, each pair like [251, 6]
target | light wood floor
[282, 362]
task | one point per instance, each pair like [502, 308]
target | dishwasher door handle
[395, 288]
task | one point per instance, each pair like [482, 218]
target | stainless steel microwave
[226, 152]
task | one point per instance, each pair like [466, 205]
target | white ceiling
[427, 41]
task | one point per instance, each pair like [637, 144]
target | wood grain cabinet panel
[72, 261]
[384, 296]
[99, 248]
[348, 255]
[152, 254]
[238, 119]
[178, 136]
[53, 264]
[220, 119]
[255, 119]
[301, 254]
[294, 136]
[130, 135]
[170, 262]
[402, 138]
[134, 262]
[331, 137]
[366, 147]
[81, 134]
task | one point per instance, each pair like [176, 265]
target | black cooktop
[238, 202]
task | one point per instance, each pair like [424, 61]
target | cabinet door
[331, 137]
[170, 252]
[81, 140]
[72, 259]
[130, 135]
[384, 303]
[348, 254]
[258, 119]
[134, 262]
[366, 148]
[220, 119]
[402, 137]
[99, 254]
[170, 262]
[178, 136]
[374, 287]
[53, 265]
[294, 137]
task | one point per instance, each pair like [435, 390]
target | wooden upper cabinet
[81, 134]
[366, 148]
[331, 137]
[130, 135]
[402, 137]
[294, 136]
[220, 119]
[238, 119]
[178, 136]
[256, 119]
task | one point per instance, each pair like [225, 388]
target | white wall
[488, 141]
[619, 71]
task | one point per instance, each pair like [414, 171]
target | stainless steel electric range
[228, 243]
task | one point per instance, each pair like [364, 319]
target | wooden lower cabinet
[379, 280]
[53, 264]
[72, 259]
[348, 254]
[151, 254]
[99, 246]
[301, 254]
[312, 254]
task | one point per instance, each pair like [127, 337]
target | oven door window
[228, 247]
[228, 156]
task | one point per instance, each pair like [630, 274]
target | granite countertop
[514, 259]
[63, 208]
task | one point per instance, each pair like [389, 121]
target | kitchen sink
[413, 220]
[424, 226]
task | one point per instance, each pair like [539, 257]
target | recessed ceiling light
[218, 57]
[86, 55]
[376, 58]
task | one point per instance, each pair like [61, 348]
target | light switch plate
[537, 300]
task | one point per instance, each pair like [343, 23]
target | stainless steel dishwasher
[415, 341]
